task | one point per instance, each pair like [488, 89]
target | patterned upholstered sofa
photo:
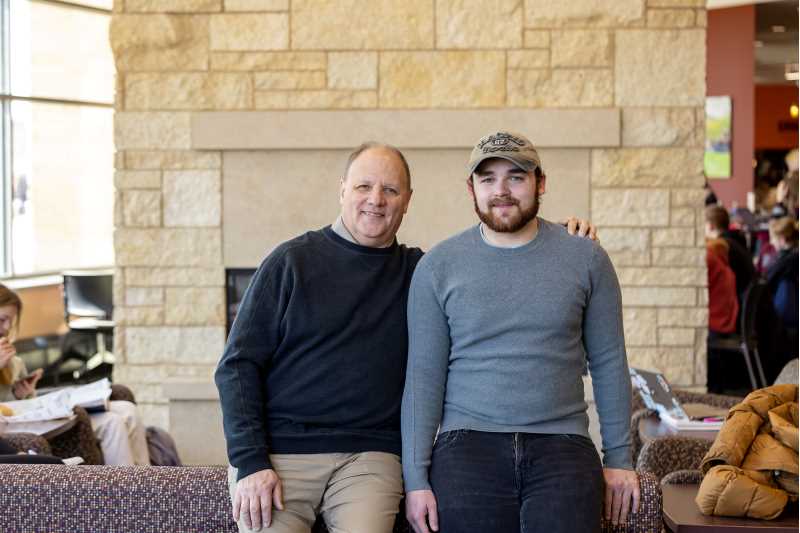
[89, 499]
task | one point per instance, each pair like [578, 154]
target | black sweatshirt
[316, 358]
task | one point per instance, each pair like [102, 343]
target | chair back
[751, 308]
[88, 294]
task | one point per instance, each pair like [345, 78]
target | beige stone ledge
[312, 130]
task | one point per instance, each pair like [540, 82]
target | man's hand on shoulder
[255, 496]
[421, 505]
[580, 227]
[622, 494]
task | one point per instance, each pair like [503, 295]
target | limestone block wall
[174, 58]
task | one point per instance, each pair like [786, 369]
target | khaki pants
[354, 492]
[123, 437]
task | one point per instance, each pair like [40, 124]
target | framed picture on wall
[717, 159]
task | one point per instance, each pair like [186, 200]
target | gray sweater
[499, 339]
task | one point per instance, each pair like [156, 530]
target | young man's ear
[542, 181]
[470, 187]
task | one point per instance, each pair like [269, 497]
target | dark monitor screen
[236, 282]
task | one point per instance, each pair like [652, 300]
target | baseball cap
[505, 145]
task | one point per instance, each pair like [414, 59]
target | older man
[503, 319]
[312, 376]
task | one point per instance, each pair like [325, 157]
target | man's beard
[512, 224]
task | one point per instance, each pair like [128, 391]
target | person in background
[738, 257]
[121, 433]
[782, 281]
[786, 195]
[723, 308]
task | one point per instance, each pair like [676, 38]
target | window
[57, 96]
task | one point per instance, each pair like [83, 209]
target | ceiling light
[792, 76]
[794, 111]
[778, 29]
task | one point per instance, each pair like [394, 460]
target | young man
[503, 320]
[312, 376]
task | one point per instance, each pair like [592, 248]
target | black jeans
[516, 482]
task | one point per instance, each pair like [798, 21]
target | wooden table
[651, 427]
[46, 428]
[681, 515]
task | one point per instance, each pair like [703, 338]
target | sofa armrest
[87, 499]
[648, 519]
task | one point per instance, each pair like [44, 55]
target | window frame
[7, 98]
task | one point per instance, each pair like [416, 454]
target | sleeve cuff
[252, 464]
[618, 458]
[416, 479]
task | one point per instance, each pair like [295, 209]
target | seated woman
[122, 435]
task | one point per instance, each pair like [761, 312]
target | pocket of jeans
[584, 442]
[448, 438]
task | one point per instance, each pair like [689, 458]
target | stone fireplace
[234, 119]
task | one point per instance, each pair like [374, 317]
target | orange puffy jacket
[752, 467]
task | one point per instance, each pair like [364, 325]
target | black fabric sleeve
[240, 374]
